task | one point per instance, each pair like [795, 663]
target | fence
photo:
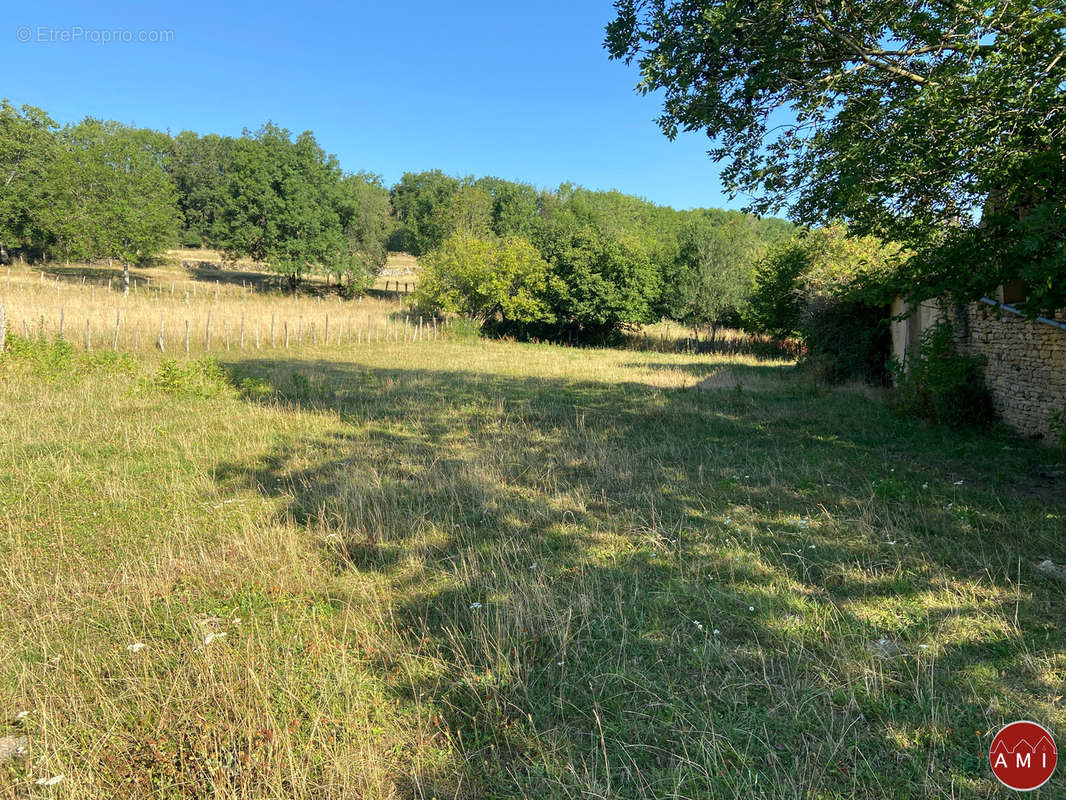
[182, 317]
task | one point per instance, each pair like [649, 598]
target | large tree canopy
[900, 118]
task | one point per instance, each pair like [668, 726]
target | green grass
[474, 569]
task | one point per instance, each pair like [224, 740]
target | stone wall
[1026, 360]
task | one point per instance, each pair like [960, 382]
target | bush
[942, 386]
[191, 239]
[848, 339]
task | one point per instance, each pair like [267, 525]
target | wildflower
[50, 781]
[213, 636]
[475, 606]
[892, 542]
[698, 624]
[959, 483]
[892, 470]
[716, 631]
[237, 621]
[22, 715]
[924, 646]
[728, 520]
[136, 647]
[810, 547]
[558, 663]
[751, 608]
[925, 485]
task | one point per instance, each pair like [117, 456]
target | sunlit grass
[487, 569]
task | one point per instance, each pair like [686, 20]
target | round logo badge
[1023, 756]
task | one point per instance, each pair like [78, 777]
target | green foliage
[605, 283]
[1021, 238]
[281, 208]
[940, 385]
[365, 218]
[107, 194]
[415, 199]
[713, 275]
[904, 119]
[848, 339]
[56, 359]
[27, 149]
[203, 377]
[829, 289]
[485, 279]
[776, 304]
[200, 167]
[1057, 426]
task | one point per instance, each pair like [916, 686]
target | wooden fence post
[88, 337]
[160, 343]
[118, 319]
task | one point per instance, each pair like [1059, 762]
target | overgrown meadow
[458, 568]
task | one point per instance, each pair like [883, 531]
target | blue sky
[521, 91]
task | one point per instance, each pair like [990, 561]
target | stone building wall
[1025, 360]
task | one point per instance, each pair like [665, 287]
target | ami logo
[1023, 756]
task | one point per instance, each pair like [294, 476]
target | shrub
[848, 339]
[942, 386]
[191, 239]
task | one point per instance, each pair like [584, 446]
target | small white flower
[213, 636]
[892, 542]
[22, 715]
[475, 606]
[50, 781]
[751, 608]
[698, 624]
[237, 621]
[558, 663]
[810, 547]
[136, 647]
[959, 483]
[924, 646]
[716, 631]
[892, 470]
[728, 520]
[925, 485]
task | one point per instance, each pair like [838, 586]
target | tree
[605, 283]
[282, 207]
[365, 219]
[27, 147]
[107, 194]
[487, 279]
[200, 166]
[414, 200]
[906, 118]
[712, 277]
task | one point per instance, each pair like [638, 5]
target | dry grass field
[458, 568]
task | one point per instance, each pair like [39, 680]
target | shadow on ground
[630, 591]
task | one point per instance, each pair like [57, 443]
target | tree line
[97, 190]
[576, 264]
[564, 263]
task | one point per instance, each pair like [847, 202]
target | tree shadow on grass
[626, 591]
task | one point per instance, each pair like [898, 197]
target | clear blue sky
[521, 91]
